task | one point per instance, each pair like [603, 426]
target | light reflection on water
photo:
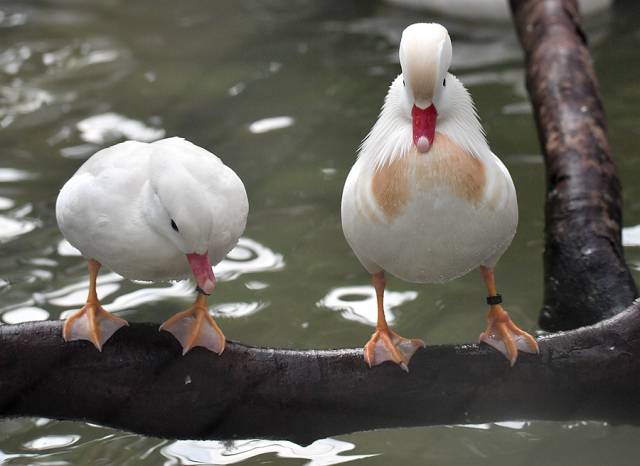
[631, 236]
[319, 453]
[270, 124]
[51, 441]
[11, 228]
[247, 257]
[111, 127]
[359, 303]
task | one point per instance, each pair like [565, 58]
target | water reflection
[25, 314]
[248, 256]
[359, 303]
[10, 227]
[111, 127]
[36, 72]
[476, 45]
[9, 175]
[516, 425]
[12, 19]
[6, 203]
[239, 309]
[19, 99]
[51, 441]
[631, 236]
[270, 124]
[319, 453]
[491, 10]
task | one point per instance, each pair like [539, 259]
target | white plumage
[152, 211]
[119, 205]
[427, 200]
[433, 234]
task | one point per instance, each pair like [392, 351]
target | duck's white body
[118, 208]
[427, 200]
[497, 10]
[428, 217]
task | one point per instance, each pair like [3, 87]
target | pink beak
[202, 271]
[424, 127]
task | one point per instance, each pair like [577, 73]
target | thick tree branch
[586, 278]
[142, 383]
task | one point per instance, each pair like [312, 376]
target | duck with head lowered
[427, 200]
[152, 211]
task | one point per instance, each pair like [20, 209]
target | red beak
[424, 127]
[202, 271]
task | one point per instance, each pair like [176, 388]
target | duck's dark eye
[403, 83]
[174, 226]
[444, 82]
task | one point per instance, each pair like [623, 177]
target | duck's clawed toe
[505, 336]
[92, 323]
[195, 327]
[386, 345]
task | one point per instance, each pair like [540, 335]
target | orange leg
[501, 332]
[384, 344]
[195, 327]
[92, 322]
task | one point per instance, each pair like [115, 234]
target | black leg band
[199, 290]
[493, 300]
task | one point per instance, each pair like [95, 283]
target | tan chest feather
[446, 165]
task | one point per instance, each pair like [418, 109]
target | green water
[75, 76]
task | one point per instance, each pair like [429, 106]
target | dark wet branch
[141, 383]
[586, 278]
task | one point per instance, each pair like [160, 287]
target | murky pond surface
[283, 91]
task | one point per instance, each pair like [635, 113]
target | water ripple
[20, 99]
[49, 442]
[359, 303]
[25, 314]
[110, 127]
[320, 453]
[11, 228]
[631, 236]
[237, 309]
[248, 256]
[270, 124]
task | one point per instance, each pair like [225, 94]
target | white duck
[155, 212]
[496, 10]
[427, 200]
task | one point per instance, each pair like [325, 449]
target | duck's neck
[391, 136]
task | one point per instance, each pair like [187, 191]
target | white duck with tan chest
[427, 200]
[159, 211]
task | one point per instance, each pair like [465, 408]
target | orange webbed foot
[386, 345]
[195, 327]
[507, 337]
[92, 323]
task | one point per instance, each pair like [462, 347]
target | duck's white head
[425, 57]
[178, 206]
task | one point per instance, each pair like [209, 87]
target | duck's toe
[92, 323]
[505, 336]
[195, 327]
[386, 345]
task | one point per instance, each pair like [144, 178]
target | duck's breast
[430, 217]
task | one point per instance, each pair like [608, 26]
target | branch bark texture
[141, 383]
[586, 278]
